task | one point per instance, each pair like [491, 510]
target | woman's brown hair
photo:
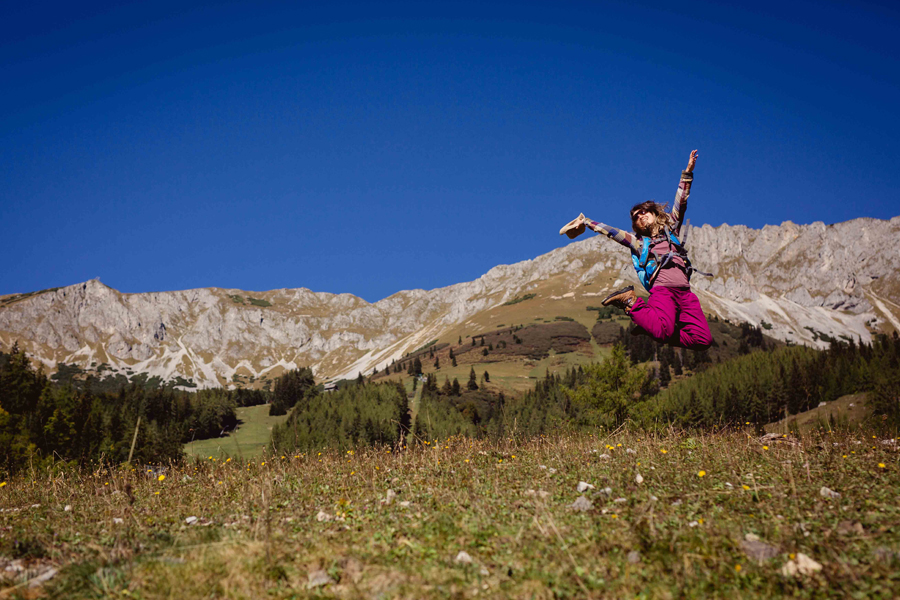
[660, 210]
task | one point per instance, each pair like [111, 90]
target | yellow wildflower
[161, 477]
[881, 465]
[737, 568]
[664, 451]
[701, 474]
[2, 483]
[746, 487]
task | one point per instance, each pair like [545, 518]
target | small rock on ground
[758, 550]
[463, 558]
[828, 493]
[581, 504]
[634, 557]
[802, 565]
[850, 528]
[583, 486]
[318, 579]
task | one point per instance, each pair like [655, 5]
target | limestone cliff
[800, 280]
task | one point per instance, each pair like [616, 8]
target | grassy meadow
[674, 515]
[249, 440]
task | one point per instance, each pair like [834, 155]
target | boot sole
[609, 298]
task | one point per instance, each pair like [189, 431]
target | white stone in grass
[551, 470]
[68, 508]
[607, 491]
[191, 520]
[827, 493]
[801, 565]
[543, 467]
[620, 500]
[118, 521]
[463, 558]
[822, 403]
[581, 504]
[604, 456]
[318, 579]
[653, 498]
[728, 485]
[389, 497]
[484, 572]
[639, 479]
[405, 504]
[634, 557]
[324, 517]
[630, 451]
[583, 486]
[693, 524]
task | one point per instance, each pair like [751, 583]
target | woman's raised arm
[684, 190]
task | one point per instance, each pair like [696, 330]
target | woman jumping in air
[672, 314]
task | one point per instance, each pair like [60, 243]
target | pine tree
[487, 376]
[676, 365]
[456, 389]
[447, 388]
[437, 363]
[473, 380]
[453, 361]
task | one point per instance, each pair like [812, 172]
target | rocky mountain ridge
[804, 283]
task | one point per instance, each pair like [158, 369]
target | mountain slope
[804, 283]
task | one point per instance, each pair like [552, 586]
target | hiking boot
[623, 298]
[574, 228]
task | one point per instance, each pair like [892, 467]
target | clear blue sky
[369, 148]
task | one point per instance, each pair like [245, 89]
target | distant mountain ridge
[803, 283]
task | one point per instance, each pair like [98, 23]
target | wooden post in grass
[134, 439]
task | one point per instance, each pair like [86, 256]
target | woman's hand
[691, 162]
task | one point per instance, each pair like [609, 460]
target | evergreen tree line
[376, 414]
[42, 421]
[291, 388]
[451, 410]
[585, 397]
[762, 387]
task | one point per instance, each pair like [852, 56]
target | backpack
[647, 265]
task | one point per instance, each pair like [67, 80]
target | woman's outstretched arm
[623, 237]
[684, 190]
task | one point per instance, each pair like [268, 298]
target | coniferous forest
[44, 422]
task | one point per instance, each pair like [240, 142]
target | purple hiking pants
[673, 315]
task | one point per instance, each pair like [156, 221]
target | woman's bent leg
[657, 313]
[693, 329]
